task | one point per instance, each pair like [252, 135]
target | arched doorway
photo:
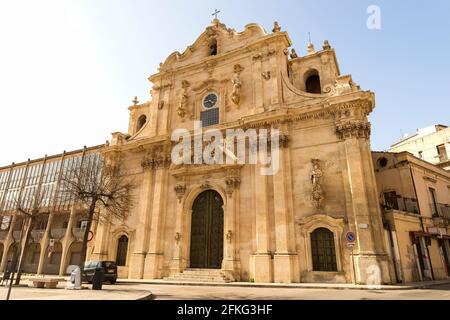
[122, 251]
[207, 231]
[323, 250]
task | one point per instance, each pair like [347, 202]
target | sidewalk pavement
[120, 291]
[407, 286]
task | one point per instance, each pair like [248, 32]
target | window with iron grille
[323, 250]
[209, 117]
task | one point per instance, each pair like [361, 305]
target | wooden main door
[207, 231]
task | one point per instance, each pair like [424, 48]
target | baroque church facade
[286, 227]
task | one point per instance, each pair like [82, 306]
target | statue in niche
[316, 181]
[236, 81]
[181, 110]
[182, 107]
[236, 93]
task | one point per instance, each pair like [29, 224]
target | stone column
[231, 261]
[67, 241]
[154, 258]
[7, 243]
[363, 209]
[44, 245]
[262, 263]
[177, 263]
[285, 258]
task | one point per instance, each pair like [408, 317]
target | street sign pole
[350, 237]
[353, 265]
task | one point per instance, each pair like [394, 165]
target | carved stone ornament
[317, 195]
[177, 237]
[180, 190]
[232, 184]
[158, 159]
[181, 110]
[236, 81]
[266, 75]
[293, 54]
[353, 129]
[284, 140]
[276, 27]
[229, 235]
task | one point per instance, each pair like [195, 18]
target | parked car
[109, 268]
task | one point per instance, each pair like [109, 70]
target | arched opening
[1, 252]
[207, 231]
[323, 250]
[213, 47]
[312, 82]
[11, 257]
[141, 122]
[32, 258]
[122, 251]
[54, 260]
[75, 253]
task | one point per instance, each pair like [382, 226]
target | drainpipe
[421, 222]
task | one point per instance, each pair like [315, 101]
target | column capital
[353, 129]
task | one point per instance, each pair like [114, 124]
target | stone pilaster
[140, 247]
[177, 263]
[154, 257]
[363, 211]
[231, 261]
[285, 258]
[261, 261]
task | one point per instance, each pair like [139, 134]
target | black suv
[109, 268]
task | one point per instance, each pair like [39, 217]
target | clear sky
[69, 69]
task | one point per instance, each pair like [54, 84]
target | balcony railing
[440, 210]
[58, 233]
[404, 204]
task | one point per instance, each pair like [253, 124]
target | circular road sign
[350, 237]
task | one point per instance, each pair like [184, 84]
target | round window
[382, 162]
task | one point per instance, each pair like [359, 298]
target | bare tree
[28, 208]
[103, 190]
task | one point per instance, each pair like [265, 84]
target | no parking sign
[350, 237]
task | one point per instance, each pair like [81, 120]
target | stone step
[199, 275]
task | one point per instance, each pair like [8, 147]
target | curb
[293, 286]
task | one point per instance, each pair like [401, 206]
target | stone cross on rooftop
[215, 13]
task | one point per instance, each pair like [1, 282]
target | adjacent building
[415, 199]
[37, 184]
[431, 144]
